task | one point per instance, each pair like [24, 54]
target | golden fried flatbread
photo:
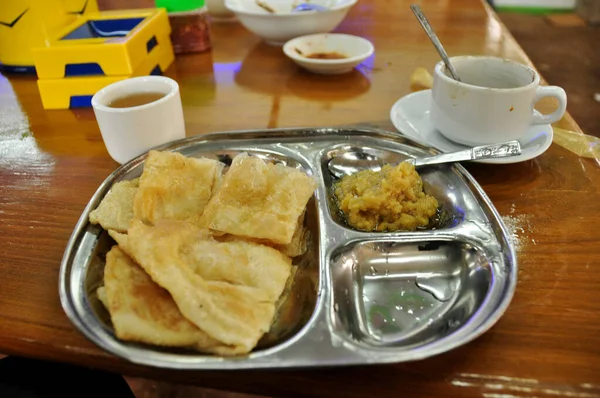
[115, 211]
[286, 309]
[240, 263]
[299, 243]
[259, 200]
[144, 312]
[175, 187]
[101, 294]
[227, 289]
[128, 291]
[296, 247]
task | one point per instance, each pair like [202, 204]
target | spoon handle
[434, 39]
[510, 148]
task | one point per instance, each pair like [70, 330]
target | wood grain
[547, 343]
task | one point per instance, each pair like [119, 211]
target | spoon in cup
[434, 39]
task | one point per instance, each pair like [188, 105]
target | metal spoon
[351, 162]
[434, 39]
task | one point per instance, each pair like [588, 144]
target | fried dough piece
[101, 293]
[234, 260]
[421, 79]
[299, 242]
[286, 308]
[296, 247]
[259, 200]
[153, 316]
[144, 312]
[175, 187]
[241, 263]
[140, 309]
[227, 289]
[115, 211]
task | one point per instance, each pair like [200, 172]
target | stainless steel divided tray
[358, 297]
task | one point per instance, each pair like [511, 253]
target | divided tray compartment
[357, 297]
[399, 294]
[434, 183]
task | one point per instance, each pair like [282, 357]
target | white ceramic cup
[129, 132]
[493, 102]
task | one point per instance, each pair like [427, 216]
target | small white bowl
[283, 25]
[355, 50]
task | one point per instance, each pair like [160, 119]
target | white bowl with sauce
[330, 53]
[274, 21]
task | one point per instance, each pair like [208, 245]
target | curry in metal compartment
[388, 200]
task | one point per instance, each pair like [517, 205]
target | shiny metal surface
[355, 160]
[359, 297]
[505, 149]
[434, 39]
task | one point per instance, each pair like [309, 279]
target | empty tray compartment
[400, 294]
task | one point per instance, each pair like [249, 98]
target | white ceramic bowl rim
[231, 5]
[290, 51]
[440, 69]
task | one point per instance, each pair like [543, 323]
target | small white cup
[493, 102]
[129, 132]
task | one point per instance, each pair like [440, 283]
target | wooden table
[547, 343]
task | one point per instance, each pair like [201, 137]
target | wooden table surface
[548, 342]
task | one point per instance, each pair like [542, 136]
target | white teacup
[493, 102]
[129, 131]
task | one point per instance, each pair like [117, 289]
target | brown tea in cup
[135, 99]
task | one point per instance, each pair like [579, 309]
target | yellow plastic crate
[106, 43]
[75, 92]
[80, 7]
[27, 24]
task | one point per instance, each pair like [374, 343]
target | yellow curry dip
[388, 200]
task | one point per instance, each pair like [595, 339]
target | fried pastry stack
[201, 259]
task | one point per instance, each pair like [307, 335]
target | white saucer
[410, 115]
